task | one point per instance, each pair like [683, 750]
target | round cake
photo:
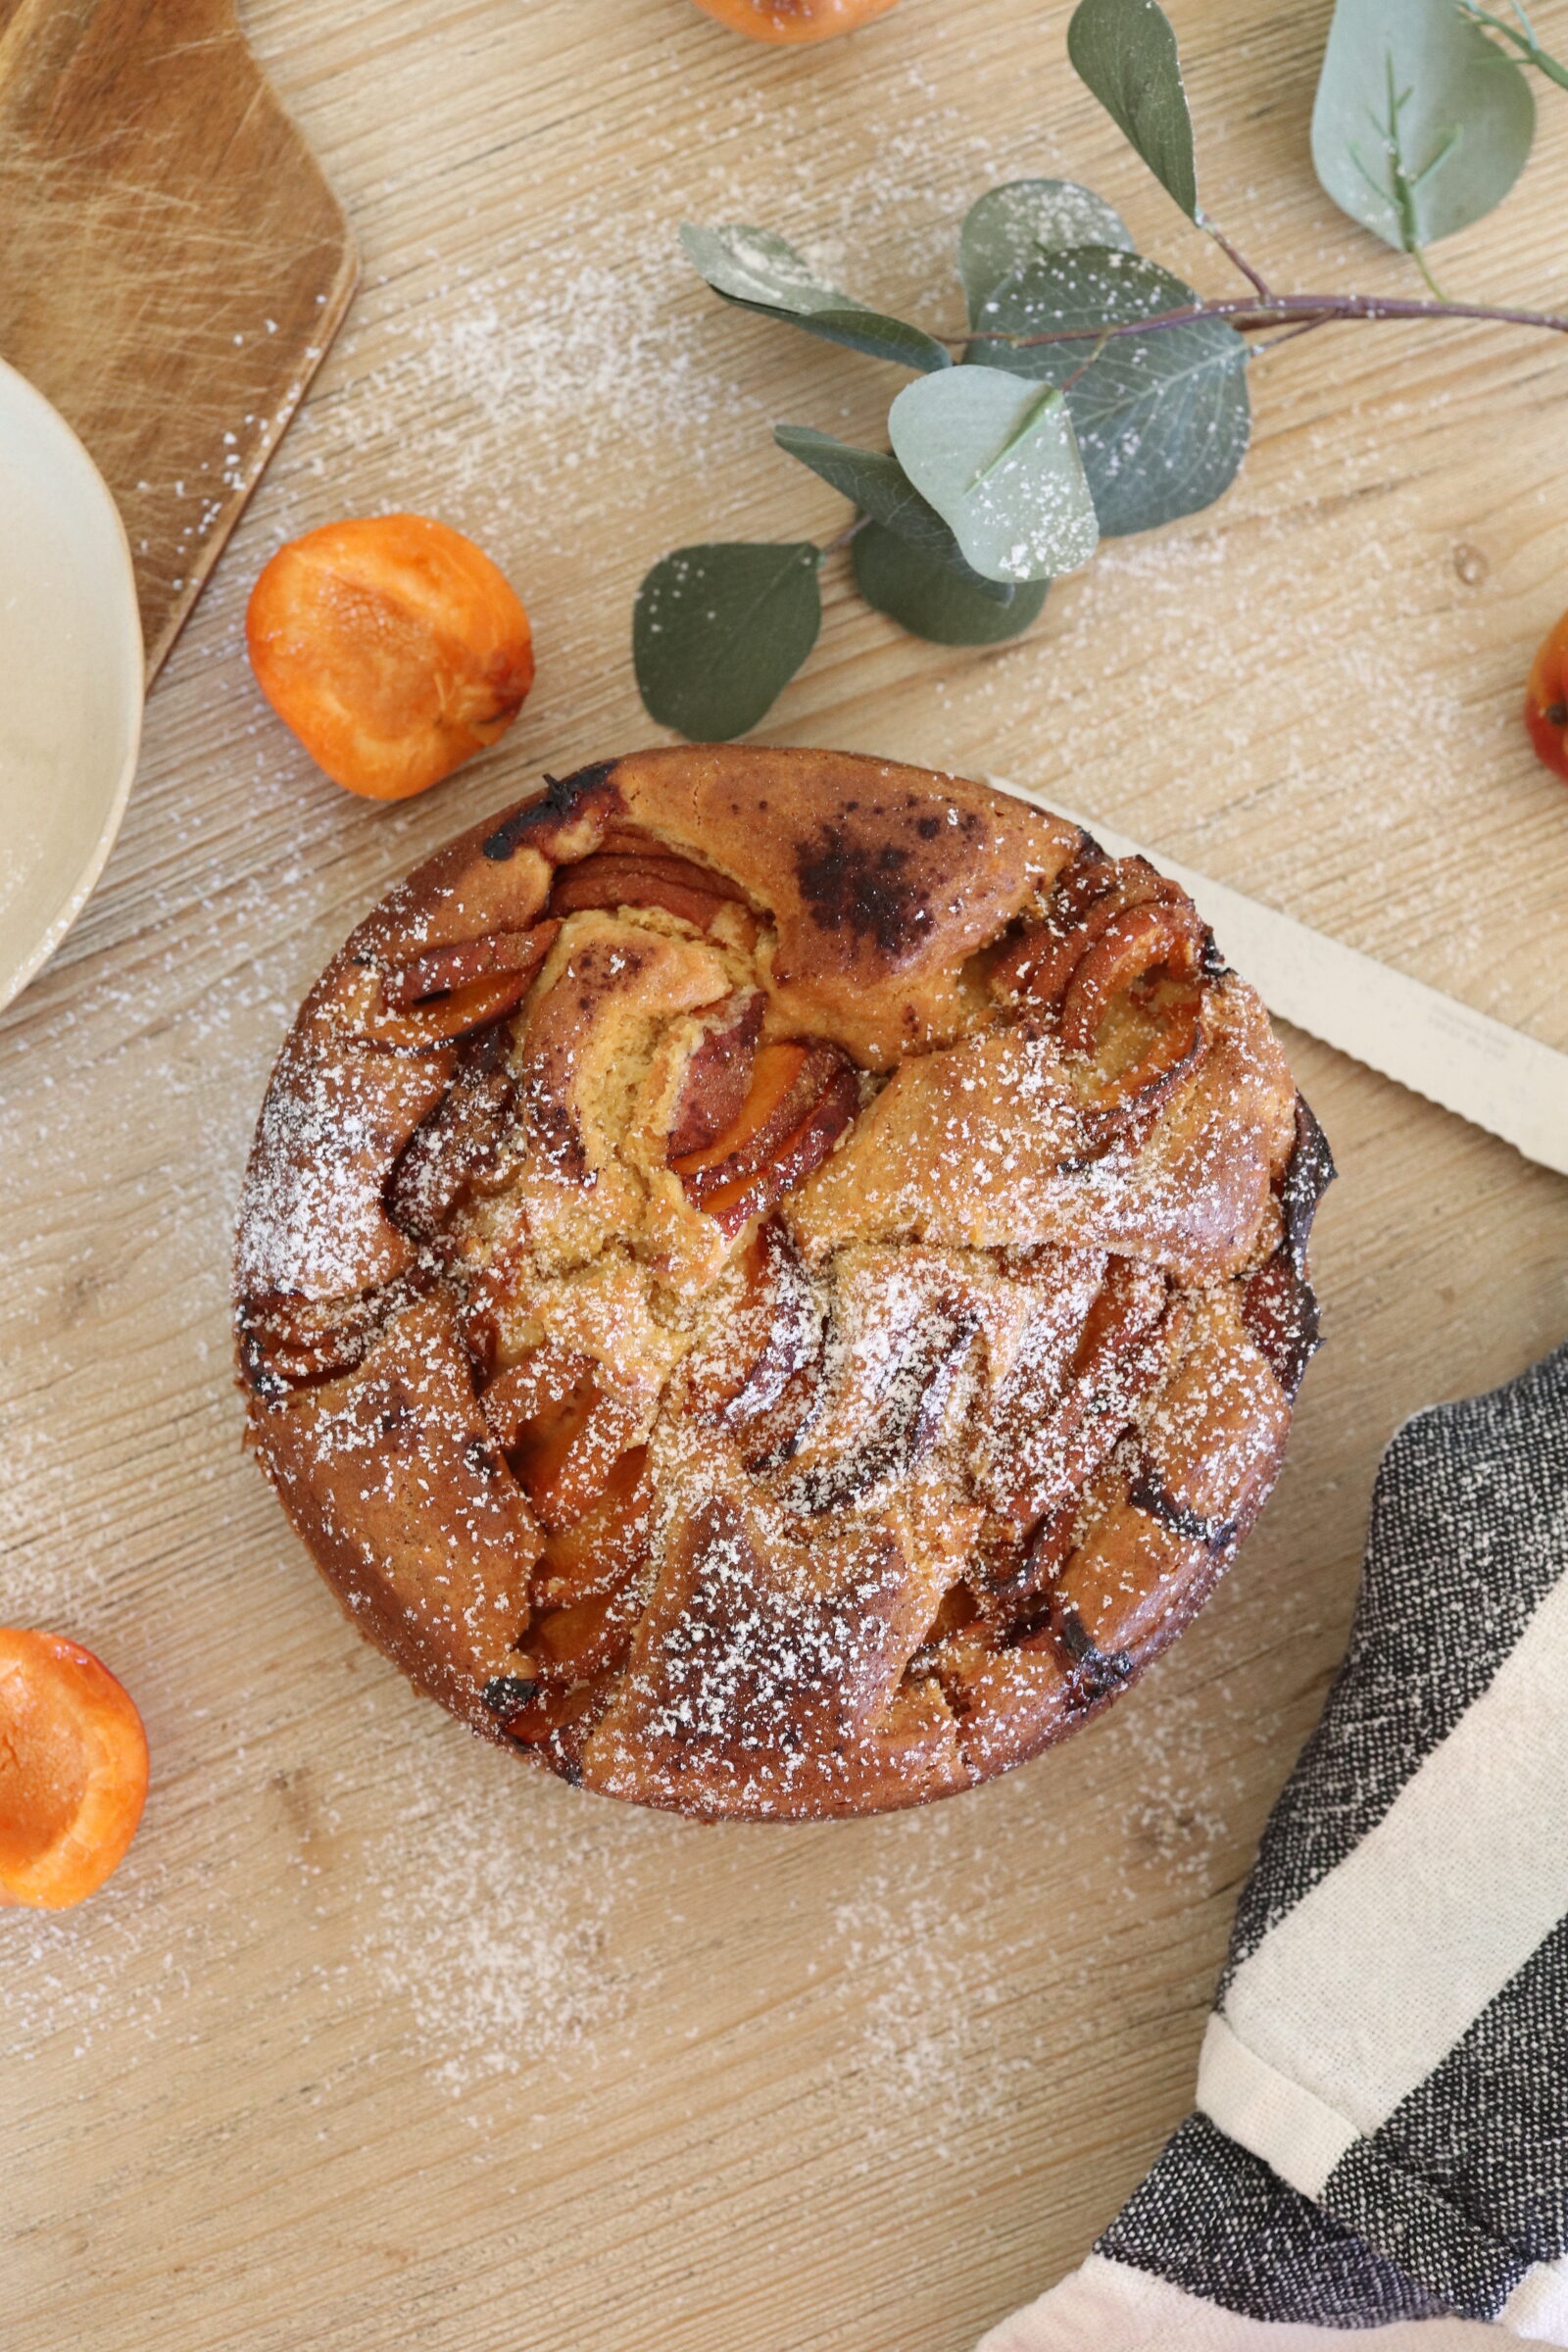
[774, 1283]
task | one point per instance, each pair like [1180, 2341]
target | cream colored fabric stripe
[1109, 2307]
[1353, 1998]
[1538, 2308]
[1290, 2126]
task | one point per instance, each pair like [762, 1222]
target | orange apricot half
[1546, 700]
[391, 647]
[72, 1771]
[794, 21]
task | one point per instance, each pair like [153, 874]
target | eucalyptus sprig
[1093, 393]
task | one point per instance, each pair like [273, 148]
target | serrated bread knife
[1495, 1076]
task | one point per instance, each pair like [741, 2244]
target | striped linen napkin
[1381, 2143]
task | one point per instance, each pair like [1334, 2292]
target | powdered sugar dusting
[494, 1916]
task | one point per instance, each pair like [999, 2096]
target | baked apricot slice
[774, 1334]
[1546, 700]
[562, 1432]
[391, 647]
[794, 21]
[799, 1100]
[446, 970]
[608, 1544]
[72, 1771]
[613, 878]
[719, 1076]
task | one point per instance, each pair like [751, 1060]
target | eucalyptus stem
[1255, 278]
[1276, 310]
[1523, 38]
[1417, 255]
[830, 546]
[1082, 370]
[1305, 328]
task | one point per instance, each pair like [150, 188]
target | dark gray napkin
[1381, 2142]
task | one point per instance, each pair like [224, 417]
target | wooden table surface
[377, 2038]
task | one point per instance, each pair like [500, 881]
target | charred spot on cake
[482, 1458]
[600, 966]
[509, 1693]
[862, 886]
[1279, 1305]
[1310, 1172]
[1149, 1492]
[558, 800]
[1097, 1672]
[1280, 1315]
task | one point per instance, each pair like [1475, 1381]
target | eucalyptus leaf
[1126, 52]
[931, 599]
[880, 488]
[1000, 464]
[757, 270]
[719, 631]
[1163, 419]
[1421, 124]
[1012, 224]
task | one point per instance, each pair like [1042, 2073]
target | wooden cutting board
[172, 265]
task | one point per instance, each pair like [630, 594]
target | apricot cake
[774, 1283]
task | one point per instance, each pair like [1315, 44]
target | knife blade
[1495, 1077]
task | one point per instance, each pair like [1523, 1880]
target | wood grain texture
[174, 265]
[377, 2038]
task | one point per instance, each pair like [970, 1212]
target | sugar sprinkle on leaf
[998, 460]
[761, 272]
[1163, 419]
[1011, 225]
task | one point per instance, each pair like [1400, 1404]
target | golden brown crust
[391, 1473]
[881, 880]
[774, 1281]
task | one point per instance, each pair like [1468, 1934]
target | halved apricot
[746, 1143]
[440, 1019]
[73, 1770]
[392, 647]
[795, 19]
[1146, 939]
[773, 1333]
[1546, 700]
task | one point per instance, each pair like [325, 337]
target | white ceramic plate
[71, 678]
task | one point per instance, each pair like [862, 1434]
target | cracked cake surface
[774, 1283]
